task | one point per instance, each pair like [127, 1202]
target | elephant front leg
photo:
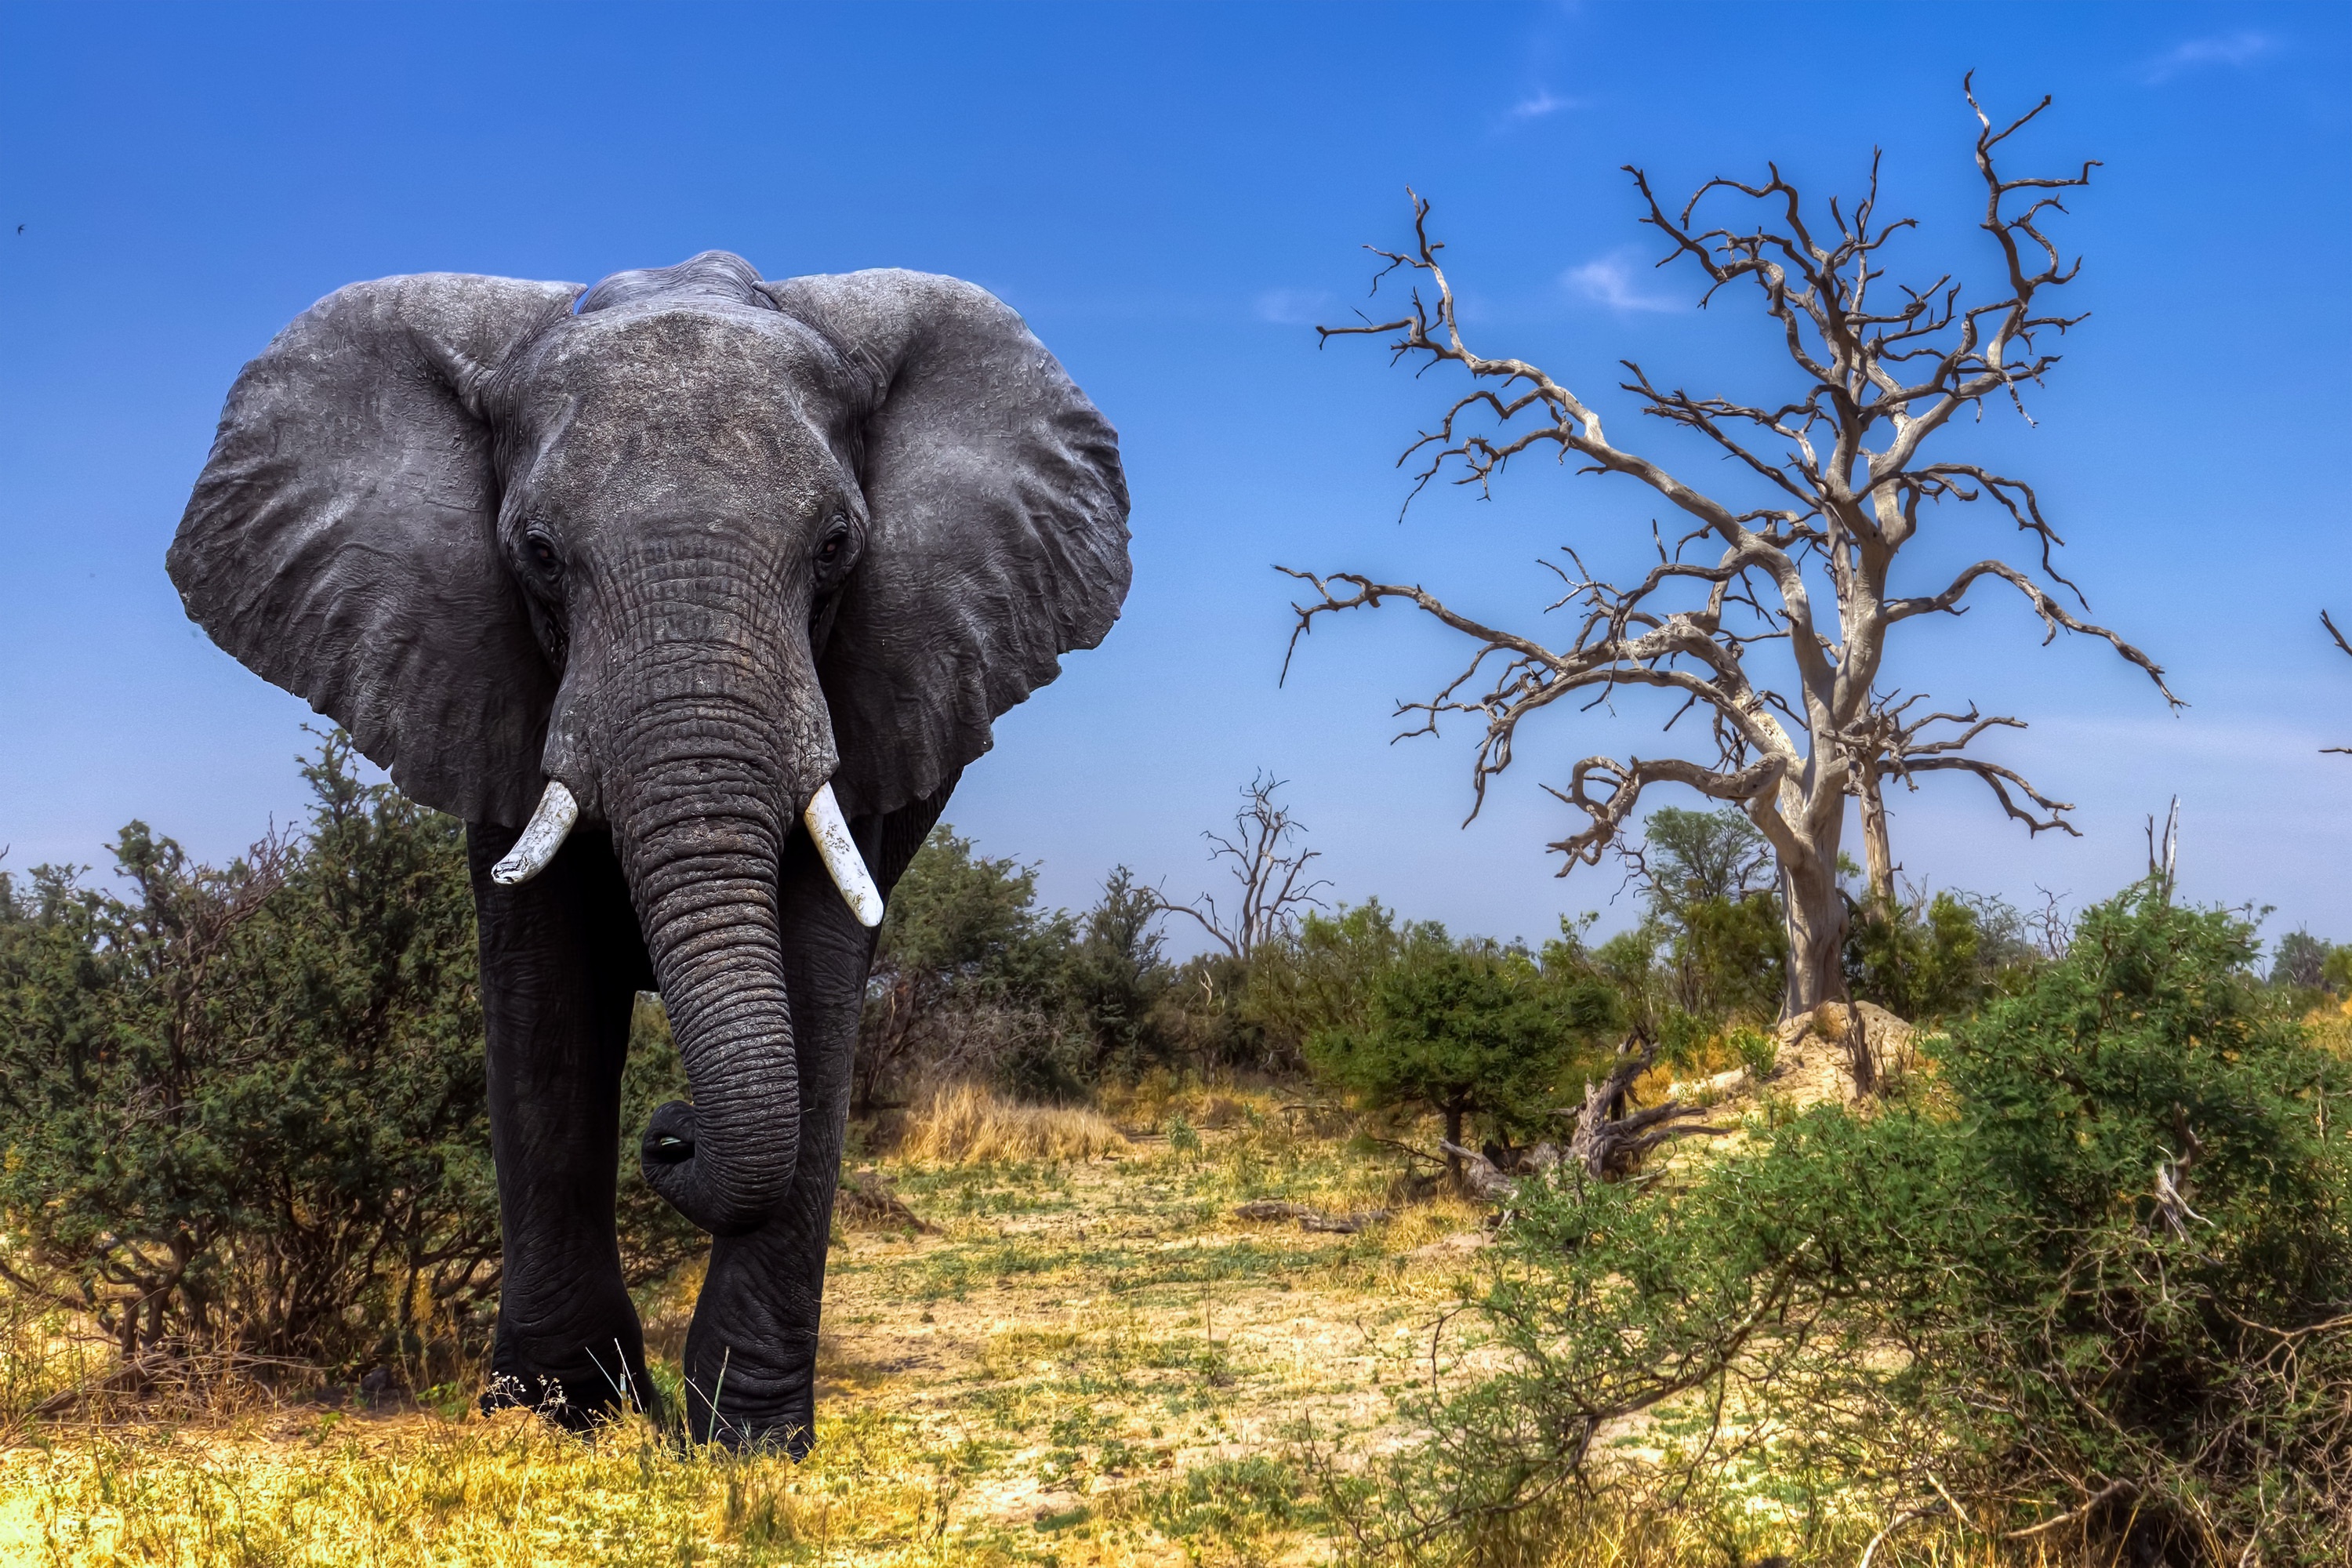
[562, 966]
[751, 1356]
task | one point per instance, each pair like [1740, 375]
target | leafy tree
[246, 1104]
[1938, 959]
[1712, 944]
[1118, 980]
[1320, 978]
[1691, 858]
[1466, 1030]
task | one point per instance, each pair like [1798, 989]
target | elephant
[692, 593]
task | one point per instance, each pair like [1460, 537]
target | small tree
[1688, 857]
[1118, 978]
[1839, 480]
[1710, 944]
[1322, 977]
[1467, 1030]
[1265, 860]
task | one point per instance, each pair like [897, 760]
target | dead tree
[1887, 743]
[2340, 750]
[1838, 478]
[1607, 1138]
[1263, 857]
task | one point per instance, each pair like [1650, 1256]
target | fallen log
[1608, 1139]
[1310, 1219]
[1480, 1178]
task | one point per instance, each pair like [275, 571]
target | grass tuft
[966, 1124]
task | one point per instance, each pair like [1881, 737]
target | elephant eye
[835, 546]
[542, 552]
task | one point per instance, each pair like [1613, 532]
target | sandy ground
[1086, 1339]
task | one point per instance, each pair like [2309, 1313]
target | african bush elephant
[683, 591]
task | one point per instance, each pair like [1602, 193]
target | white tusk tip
[548, 825]
[830, 831]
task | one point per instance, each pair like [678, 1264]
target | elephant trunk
[704, 881]
[702, 775]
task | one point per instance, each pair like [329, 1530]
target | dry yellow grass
[966, 1124]
[1088, 1362]
[509, 1491]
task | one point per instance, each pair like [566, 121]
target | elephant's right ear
[343, 538]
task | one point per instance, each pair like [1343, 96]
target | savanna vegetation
[1812, 1218]
[1145, 1257]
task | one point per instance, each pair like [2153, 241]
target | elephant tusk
[839, 852]
[549, 825]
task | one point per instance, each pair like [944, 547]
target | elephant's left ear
[997, 526]
[342, 540]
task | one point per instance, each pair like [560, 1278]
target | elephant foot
[748, 1408]
[579, 1395]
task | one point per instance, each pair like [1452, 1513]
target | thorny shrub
[2089, 1289]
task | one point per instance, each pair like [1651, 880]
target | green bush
[2096, 1269]
[1468, 1030]
[1939, 958]
[246, 1104]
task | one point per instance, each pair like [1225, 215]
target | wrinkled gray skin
[691, 543]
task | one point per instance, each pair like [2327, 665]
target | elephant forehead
[732, 392]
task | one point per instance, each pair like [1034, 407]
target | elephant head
[687, 553]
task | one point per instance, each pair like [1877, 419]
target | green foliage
[1467, 1030]
[1713, 944]
[1691, 858]
[1758, 1052]
[1117, 980]
[2106, 1253]
[246, 1103]
[1320, 978]
[1731, 958]
[1941, 959]
[967, 976]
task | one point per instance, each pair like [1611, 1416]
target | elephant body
[673, 565]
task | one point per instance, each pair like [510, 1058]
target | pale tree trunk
[1816, 916]
[1875, 848]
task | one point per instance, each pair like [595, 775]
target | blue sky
[1172, 195]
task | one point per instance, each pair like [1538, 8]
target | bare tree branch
[2341, 750]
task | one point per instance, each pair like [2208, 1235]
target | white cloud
[1293, 307]
[1543, 104]
[2237, 50]
[1610, 281]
